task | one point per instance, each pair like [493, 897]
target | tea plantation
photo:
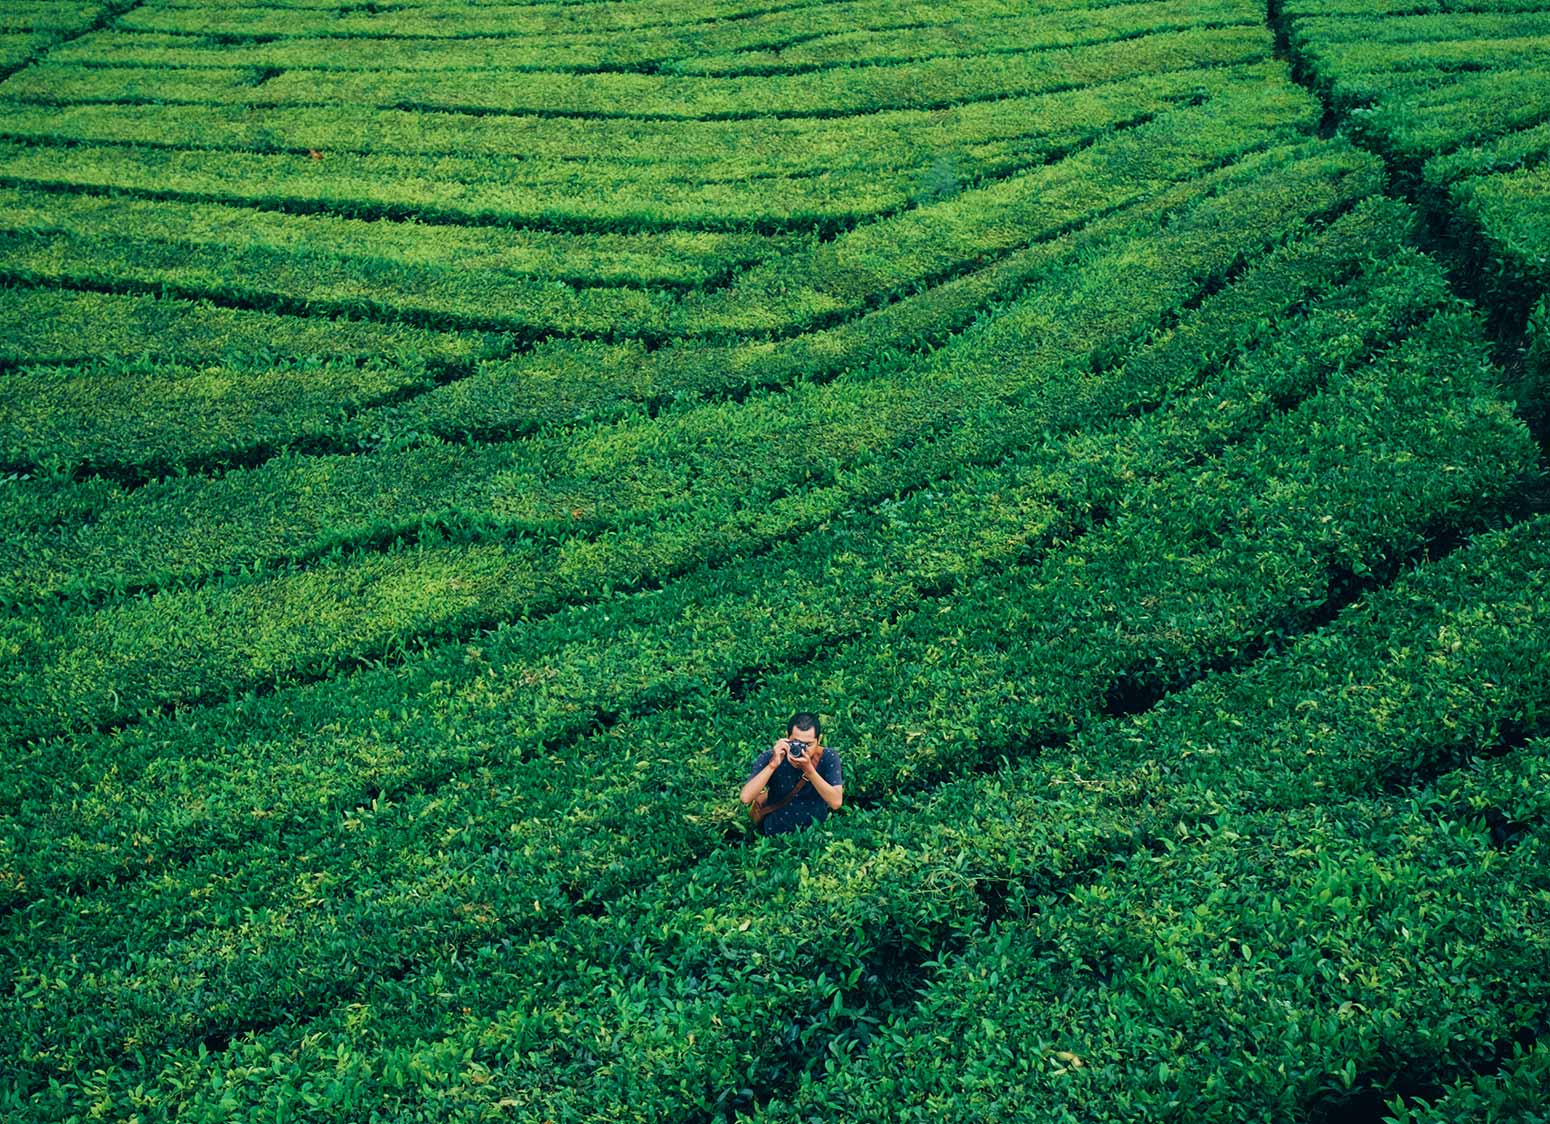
[441, 441]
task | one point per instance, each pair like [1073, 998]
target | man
[797, 779]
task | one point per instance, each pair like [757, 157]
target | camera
[795, 749]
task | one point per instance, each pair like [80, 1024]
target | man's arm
[833, 794]
[761, 776]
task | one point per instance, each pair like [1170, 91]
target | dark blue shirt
[808, 807]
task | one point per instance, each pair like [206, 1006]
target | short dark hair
[802, 720]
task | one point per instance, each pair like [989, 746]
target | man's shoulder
[830, 762]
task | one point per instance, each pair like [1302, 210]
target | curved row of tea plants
[29, 29]
[925, 157]
[61, 326]
[558, 20]
[682, 260]
[197, 525]
[474, 188]
[66, 242]
[916, 248]
[961, 142]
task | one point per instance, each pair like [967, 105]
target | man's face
[807, 735]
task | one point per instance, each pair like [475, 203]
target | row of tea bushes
[451, 20]
[31, 15]
[18, 47]
[670, 47]
[28, 29]
[1368, 10]
[881, 434]
[780, 41]
[646, 50]
[208, 643]
[964, 35]
[313, 282]
[512, 397]
[479, 191]
[1509, 211]
[1177, 144]
[52, 326]
[484, 189]
[57, 327]
[669, 260]
[267, 265]
[97, 417]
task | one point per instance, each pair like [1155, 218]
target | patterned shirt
[807, 807]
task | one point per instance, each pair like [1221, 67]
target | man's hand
[808, 762]
[759, 780]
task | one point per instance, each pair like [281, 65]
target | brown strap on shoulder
[767, 809]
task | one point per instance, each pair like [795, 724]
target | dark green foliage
[1457, 103]
[1531, 388]
[1116, 793]
[1378, 508]
[440, 441]
[864, 564]
[1520, 1090]
[650, 514]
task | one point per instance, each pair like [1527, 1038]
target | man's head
[804, 726]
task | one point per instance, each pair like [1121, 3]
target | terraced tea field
[442, 441]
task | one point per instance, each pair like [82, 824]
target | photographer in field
[796, 781]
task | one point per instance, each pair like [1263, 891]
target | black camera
[795, 750]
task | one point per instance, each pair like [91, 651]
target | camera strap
[759, 809]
